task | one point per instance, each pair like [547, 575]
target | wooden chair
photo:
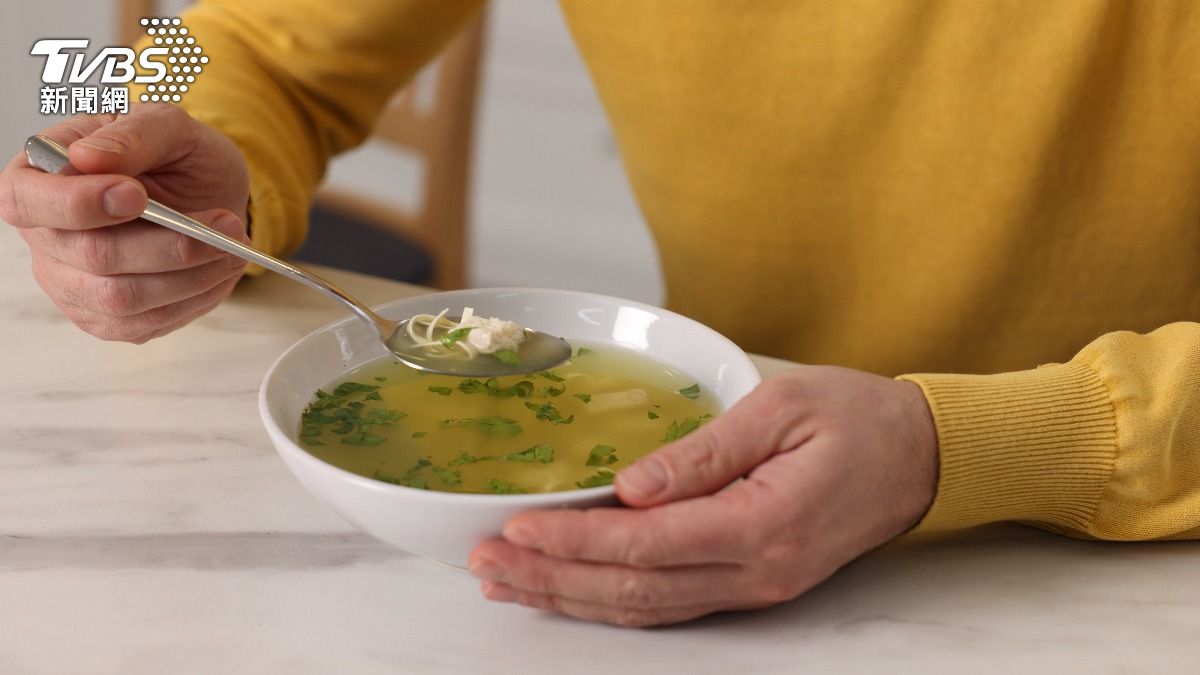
[440, 135]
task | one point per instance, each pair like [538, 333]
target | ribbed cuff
[1036, 445]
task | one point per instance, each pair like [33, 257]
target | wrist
[920, 443]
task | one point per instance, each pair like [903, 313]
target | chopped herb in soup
[573, 427]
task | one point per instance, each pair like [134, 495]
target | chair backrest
[440, 134]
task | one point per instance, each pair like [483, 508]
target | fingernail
[123, 200]
[102, 144]
[647, 478]
[484, 568]
[521, 535]
[499, 592]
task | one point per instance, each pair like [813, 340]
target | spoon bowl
[539, 351]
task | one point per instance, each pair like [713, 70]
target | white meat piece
[492, 335]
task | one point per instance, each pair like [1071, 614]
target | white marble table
[146, 526]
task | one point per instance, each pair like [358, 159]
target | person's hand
[835, 462]
[114, 276]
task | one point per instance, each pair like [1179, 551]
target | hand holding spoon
[539, 351]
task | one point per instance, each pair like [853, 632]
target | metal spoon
[539, 351]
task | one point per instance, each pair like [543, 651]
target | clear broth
[612, 406]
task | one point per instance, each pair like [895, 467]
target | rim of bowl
[558, 497]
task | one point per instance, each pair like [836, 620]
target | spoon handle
[50, 156]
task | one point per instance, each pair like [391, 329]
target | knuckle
[119, 330]
[115, 295]
[781, 392]
[34, 236]
[645, 548]
[773, 592]
[109, 331]
[782, 552]
[14, 206]
[704, 456]
[190, 252]
[42, 276]
[634, 591]
[176, 120]
[8, 201]
[536, 600]
[95, 250]
[79, 209]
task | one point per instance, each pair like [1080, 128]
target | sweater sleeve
[1106, 446]
[293, 82]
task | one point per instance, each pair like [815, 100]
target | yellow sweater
[951, 187]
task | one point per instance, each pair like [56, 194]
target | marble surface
[146, 526]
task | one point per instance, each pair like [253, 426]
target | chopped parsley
[547, 392]
[420, 434]
[501, 487]
[602, 455]
[493, 426]
[448, 476]
[444, 391]
[521, 389]
[583, 351]
[411, 478]
[586, 398]
[507, 356]
[692, 392]
[468, 458]
[492, 387]
[538, 453]
[471, 386]
[651, 414]
[353, 388]
[680, 429]
[362, 438]
[551, 375]
[456, 335]
[599, 479]
[352, 420]
[547, 411]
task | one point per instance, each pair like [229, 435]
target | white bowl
[445, 526]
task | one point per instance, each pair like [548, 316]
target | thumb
[148, 137]
[702, 462]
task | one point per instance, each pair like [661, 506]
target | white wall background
[550, 203]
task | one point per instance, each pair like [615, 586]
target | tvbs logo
[167, 68]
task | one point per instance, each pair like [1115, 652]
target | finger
[614, 585]
[620, 616]
[137, 247]
[221, 293]
[66, 132]
[148, 137]
[123, 295]
[32, 198]
[725, 527]
[155, 322]
[714, 455]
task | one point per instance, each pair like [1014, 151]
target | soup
[562, 429]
